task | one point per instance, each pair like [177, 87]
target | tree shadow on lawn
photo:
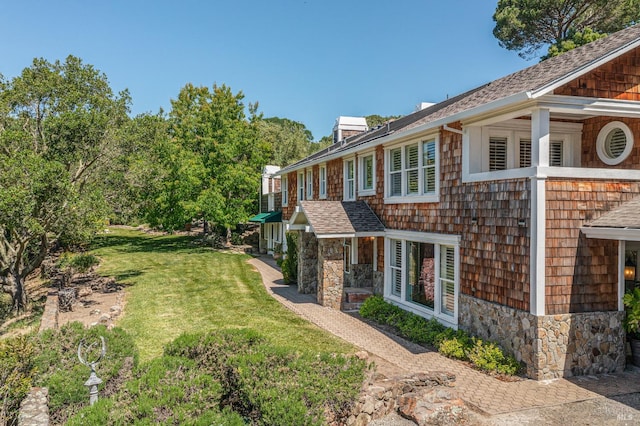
[146, 244]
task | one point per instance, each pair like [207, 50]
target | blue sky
[307, 60]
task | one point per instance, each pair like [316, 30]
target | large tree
[526, 26]
[218, 157]
[59, 126]
[289, 140]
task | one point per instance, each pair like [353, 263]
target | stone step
[351, 307]
[355, 297]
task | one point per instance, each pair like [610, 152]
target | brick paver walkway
[485, 393]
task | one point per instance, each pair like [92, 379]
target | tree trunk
[205, 227]
[19, 297]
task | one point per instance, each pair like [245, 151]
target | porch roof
[338, 219]
[621, 223]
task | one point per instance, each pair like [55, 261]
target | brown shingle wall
[316, 182]
[365, 250]
[495, 252]
[581, 273]
[335, 171]
[287, 211]
[618, 79]
[590, 132]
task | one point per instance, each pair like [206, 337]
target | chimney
[348, 126]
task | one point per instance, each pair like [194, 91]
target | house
[270, 212]
[510, 211]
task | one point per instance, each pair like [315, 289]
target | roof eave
[609, 233]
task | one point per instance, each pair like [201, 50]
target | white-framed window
[556, 153]
[614, 143]
[349, 180]
[301, 186]
[309, 184]
[367, 174]
[412, 172]
[421, 273]
[322, 181]
[285, 190]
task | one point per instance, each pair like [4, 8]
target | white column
[537, 240]
[622, 247]
[540, 137]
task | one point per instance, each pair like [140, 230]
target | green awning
[268, 217]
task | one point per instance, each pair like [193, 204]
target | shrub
[60, 370]
[290, 263]
[450, 343]
[16, 375]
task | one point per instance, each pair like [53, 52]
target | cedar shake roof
[341, 217]
[537, 79]
[627, 215]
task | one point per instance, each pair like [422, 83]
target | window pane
[555, 153]
[411, 154]
[525, 152]
[368, 173]
[396, 267]
[497, 154]
[429, 153]
[447, 279]
[429, 180]
[396, 160]
[412, 181]
[421, 274]
[396, 183]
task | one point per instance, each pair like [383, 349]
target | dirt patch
[99, 300]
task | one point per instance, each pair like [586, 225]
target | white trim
[554, 172]
[621, 284]
[423, 237]
[537, 247]
[343, 235]
[604, 233]
[302, 190]
[602, 139]
[309, 183]
[284, 190]
[589, 106]
[375, 254]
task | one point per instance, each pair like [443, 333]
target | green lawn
[175, 286]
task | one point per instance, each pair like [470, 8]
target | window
[300, 186]
[525, 152]
[421, 273]
[429, 166]
[346, 249]
[413, 171]
[309, 184]
[285, 190]
[614, 143]
[323, 181]
[349, 180]
[556, 153]
[366, 175]
[497, 153]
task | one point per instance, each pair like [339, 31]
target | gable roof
[627, 216]
[340, 219]
[522, 85]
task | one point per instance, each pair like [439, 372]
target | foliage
[575, 39]
[631, 301]
[451, 343]
[59, 129]
[78, 262]
[216, 160]
[233, 377]
[376, 120]
[16, 375]
[289, 140]
[289, 264]
[527, 25]
[59, 369]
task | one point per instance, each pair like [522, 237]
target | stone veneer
[359, 277]
[378, 282]
[307, 263]
[330, 273]
[550, 346]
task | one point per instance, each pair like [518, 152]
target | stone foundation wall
[550, 346]
[378, 282]
[360, 276]
[330, 273]
[307, 263]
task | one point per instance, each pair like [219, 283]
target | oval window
[614, 143]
